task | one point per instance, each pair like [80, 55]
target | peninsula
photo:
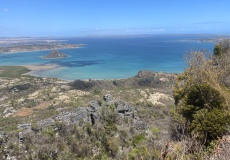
[55, 54]
[11, 45]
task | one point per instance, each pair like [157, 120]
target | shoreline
[55, 58]
[15, 52]
[40, 67]
[36, 71]
[36, 68]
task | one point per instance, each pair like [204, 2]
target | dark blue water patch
[76, 63]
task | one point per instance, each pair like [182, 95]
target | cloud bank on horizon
[103, 17]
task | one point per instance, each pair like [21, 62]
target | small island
[55, 54]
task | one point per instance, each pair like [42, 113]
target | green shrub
[201, 96]
[137, 139]
[203, 107]
[139, 153]
[210, 125]
[155, 131]
[113, 145]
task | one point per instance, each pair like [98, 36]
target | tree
[210, 125]
[201, 97]
[223, 47]
[203, 108]
[217, 50]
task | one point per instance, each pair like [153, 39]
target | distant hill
[55, 54]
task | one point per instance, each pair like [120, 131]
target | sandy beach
[35, 69]
[38, 67]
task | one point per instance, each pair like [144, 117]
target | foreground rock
[88, 114]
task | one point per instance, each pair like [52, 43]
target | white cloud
[5, 10]
[210, 22]
[158, 29]
[145, 30]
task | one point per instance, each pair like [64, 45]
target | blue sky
[113, 17]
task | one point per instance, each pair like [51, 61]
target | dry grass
[23, 112]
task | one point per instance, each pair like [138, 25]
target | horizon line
[124, 35]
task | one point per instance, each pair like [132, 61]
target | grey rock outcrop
[89, 114]
[73, 116]
[80, 114]
[64, 117]
[46, 123]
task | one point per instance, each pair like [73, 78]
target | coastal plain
[14, 45]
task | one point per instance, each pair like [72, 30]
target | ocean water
[115, 57]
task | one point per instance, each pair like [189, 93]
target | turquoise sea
[115, 57]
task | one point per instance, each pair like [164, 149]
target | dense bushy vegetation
[202, 98]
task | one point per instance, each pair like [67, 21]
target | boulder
[140, 125]
[25, 126]
[125, 109]
[108, 98]
[20, 137]
[2, 134]
[94, 105]
[3, 137]
[122, 107]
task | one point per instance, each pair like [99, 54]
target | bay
[115, 57]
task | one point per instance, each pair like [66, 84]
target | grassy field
[12, 71]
